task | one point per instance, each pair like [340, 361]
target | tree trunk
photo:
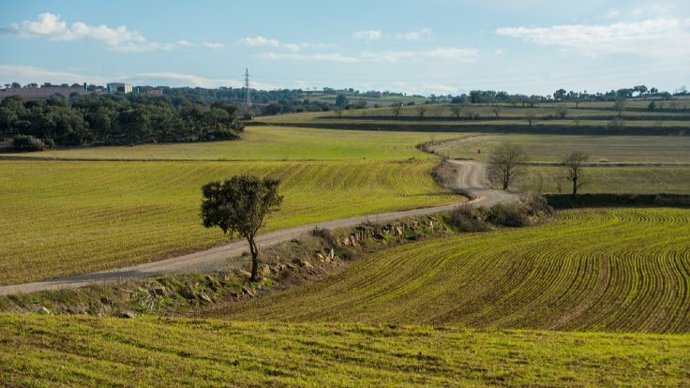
[574, 186]
[255, 260]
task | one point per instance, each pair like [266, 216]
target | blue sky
[414, 46]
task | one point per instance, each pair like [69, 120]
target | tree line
[117, 120]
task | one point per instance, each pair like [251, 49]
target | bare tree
[421, 109]
[456, 110]
[496, 110]
[573, 165]
[506, 164]
[619, 106]
[397, 108]
[561, 112]
[530, 117]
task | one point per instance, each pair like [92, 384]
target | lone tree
[421, 110]
[505, 164]
[239, 206]
[573, 165]
[456, 110]
[619, 106]
[397, 108]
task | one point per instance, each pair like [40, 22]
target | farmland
[75, 350]
[595, 270]
[628, 179]
[553, 148]
[68, 217]
[548, 117]
[268, 143]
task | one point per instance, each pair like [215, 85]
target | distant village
[34, 91]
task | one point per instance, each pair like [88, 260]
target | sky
[410, 46]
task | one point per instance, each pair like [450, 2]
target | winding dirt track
[471, 178]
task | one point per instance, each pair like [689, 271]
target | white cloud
[369, 35]
[447, 53]
[260, 41]
[52, 27]
[29, 74]
[184, 43]
[317, 57]
[415, 34]
[213, 45]
[655, 37]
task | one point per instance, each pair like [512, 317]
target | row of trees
[127, 119]
[507, 164]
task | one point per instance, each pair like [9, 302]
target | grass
[601, 270]
[629, 179]
[60, 218]
[78, 351]
[553, 148]
[269, 143]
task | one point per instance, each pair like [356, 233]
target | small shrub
[536, 205]
[25, 143]
[511, 215]
[467, 220]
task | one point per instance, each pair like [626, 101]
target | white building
[119, 87]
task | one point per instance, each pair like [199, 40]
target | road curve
[471, 178]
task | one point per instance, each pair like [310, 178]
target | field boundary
[568, 201]
[538, 128]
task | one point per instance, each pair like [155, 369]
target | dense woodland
[121, 119]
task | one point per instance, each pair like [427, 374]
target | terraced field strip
[78, 351]
[607, 270]
[59, 218]
[591, 112]
[268, 143]
[629, 179]
[553, 148]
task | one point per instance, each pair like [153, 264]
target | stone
[44, 310]
[205, 298]
[158, 291]
[127, 314]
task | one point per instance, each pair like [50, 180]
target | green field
[62, 217]
[602, 270]
[78, 351]
[269, 143]
[554, 148]
[623, 180]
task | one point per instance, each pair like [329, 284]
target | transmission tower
[246, 87]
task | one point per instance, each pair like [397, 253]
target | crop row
[610, 270]
[87, 351]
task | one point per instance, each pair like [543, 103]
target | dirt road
[471, 178]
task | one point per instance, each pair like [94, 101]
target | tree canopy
[239, 206]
